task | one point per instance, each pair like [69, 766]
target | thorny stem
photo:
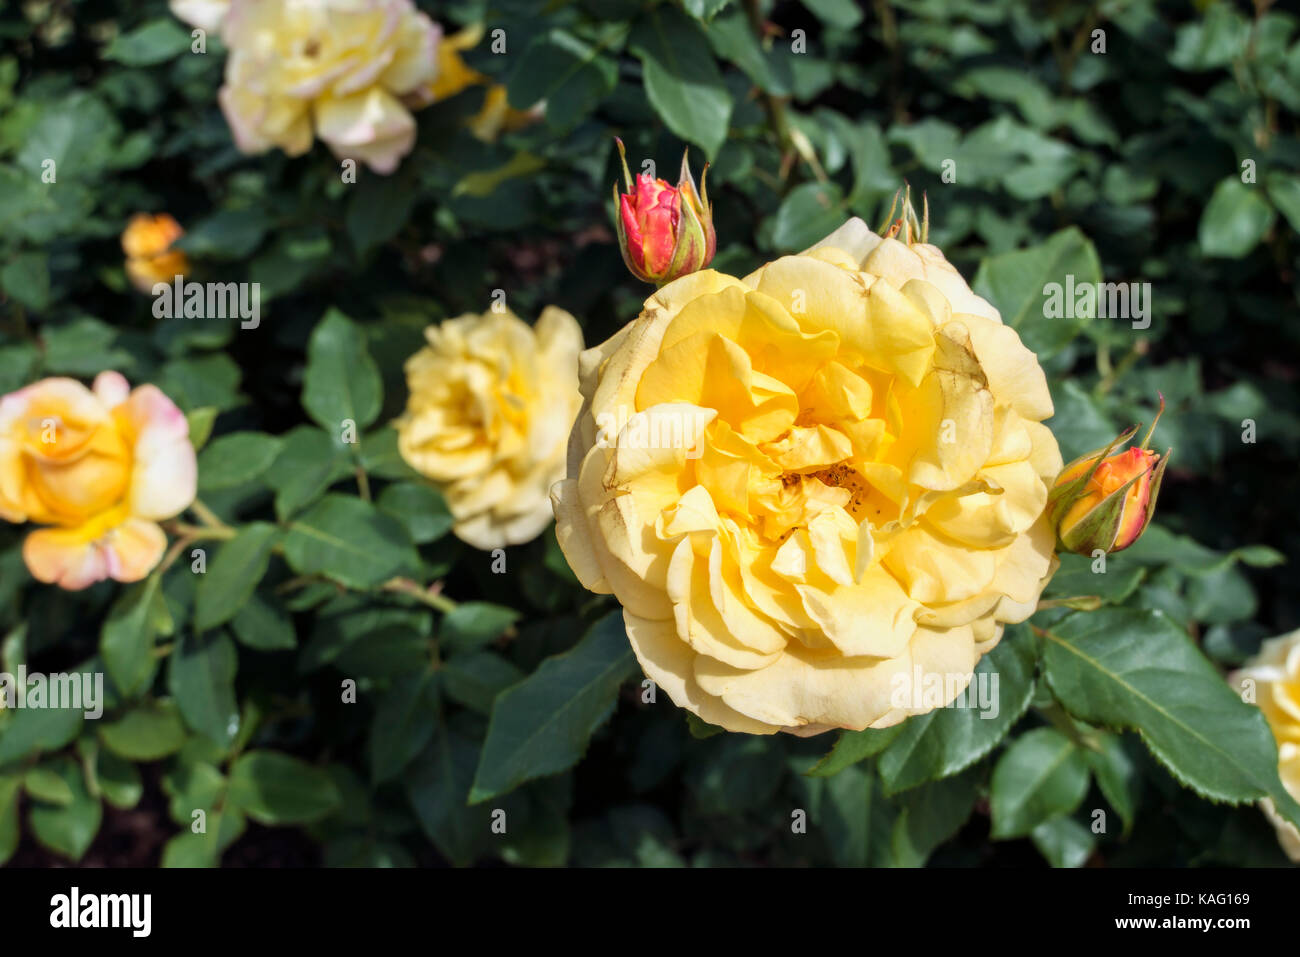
[792, 141]
[431, 596]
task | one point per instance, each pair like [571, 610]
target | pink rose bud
[1105, 501]
[664, 232]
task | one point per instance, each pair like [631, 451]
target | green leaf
[204, 849]
[437, 785]
[1284, 191]
[1017, 284]
[1235, 219]
[349, 541]
[682, 81]
[1064, 842]
[840, 14]
[341, 382]
[378, 209]
[11, 787]
[1125, 668]
[856, 819]
[933, 813]
[276, 789]
[68, 829]
[404, 722]
[201, 679]
[1042, 775]
[421, 508]
[734, 41]
[542, 724]
[570, 75]
[155, 42]
[83, 347]
[126, 641]
[26, 278]
[147, 732]
[476, 679]
[236, 458]
[28, 731]
[852, 747]
[263, 624]
[947, 740]
[809, 212]
[118, 779]
[700, 729]
[309, 463]
[226, 234]
[233, 574]
[200, 422]
[473, 624]
[45, 784]
[1117, 775]
[705, 9]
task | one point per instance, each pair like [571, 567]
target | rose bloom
[147, 242]
[101, 467]
[811, 486]
[335, 68]
[206, 14]
[491, 404]
[1275, 673]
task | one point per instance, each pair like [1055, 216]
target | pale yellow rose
[336, 69]
[492, 401]
[147, 242]
[810, 487]
[206, 14]
[1273, 676]
[100, 467]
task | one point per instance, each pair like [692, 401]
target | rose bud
[1104, 500]
[664, 232]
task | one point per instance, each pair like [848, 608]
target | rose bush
[321, 665]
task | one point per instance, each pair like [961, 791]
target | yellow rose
[455, 75]
[101, 467]
[147, 242]
[1274, 675]
[811, 486]
[490, 408]
[337, 68]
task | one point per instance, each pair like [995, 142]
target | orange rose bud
[1105, 501]
[150, 258]
[664, 232]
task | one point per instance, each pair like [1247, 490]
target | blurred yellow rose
[1274, 677]
[496, 115]
[101, 467]
[147, 242]
[491, 404]
[333, 68]
[814, 486]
